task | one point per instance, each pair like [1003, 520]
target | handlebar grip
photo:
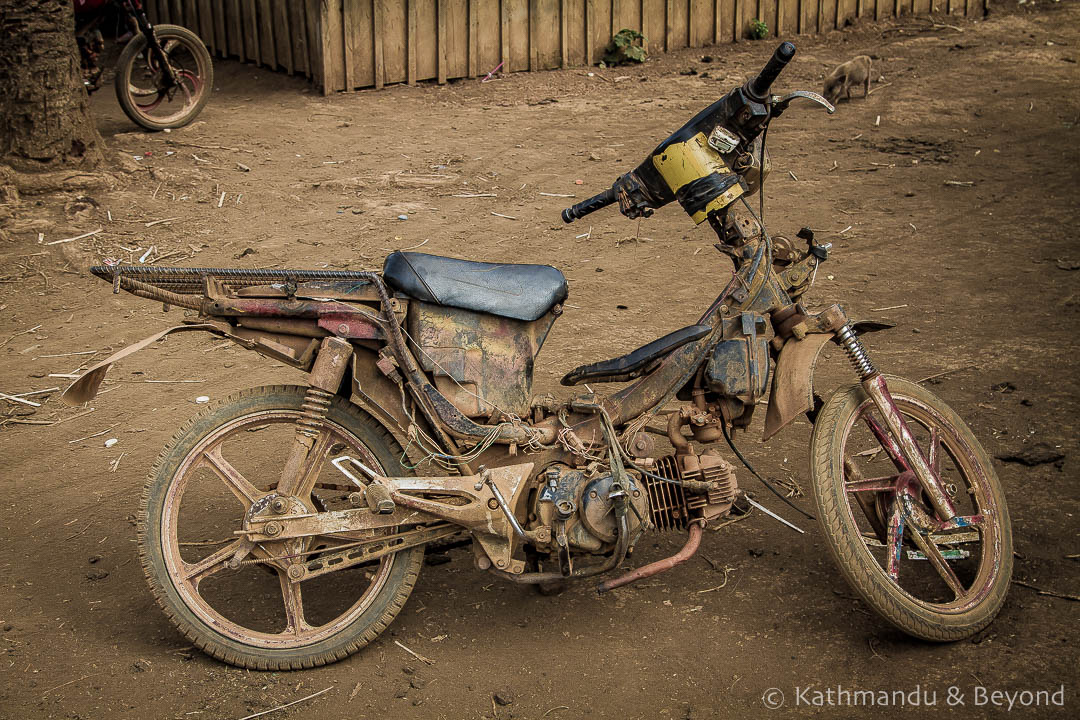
[759, 86]
[585, 207]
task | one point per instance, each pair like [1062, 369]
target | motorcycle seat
[521, 292]
[636, 363]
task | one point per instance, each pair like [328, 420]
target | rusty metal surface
[878, 390]
[792, 388]
[481, 363]
[673, 372]
[453, 498]
[192, 280]
[697, 487]
[330, 366]
[281, 555]
[310, 442]
[284, 326]
[296, 350]
[86, 387]
[739, 365]
[693, 540]
[369, 550]
[793, 377]
[378, 394]
[580, 506]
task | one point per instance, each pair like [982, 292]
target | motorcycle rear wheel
[193, 503]
[949, 584]
[138, 79]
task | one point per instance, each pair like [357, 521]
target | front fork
[153, 46]
[902, 443]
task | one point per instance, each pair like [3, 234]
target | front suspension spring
[855, 352]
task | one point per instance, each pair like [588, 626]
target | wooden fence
[347, 44]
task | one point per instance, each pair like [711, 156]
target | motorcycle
[284, 527]
[164, 75]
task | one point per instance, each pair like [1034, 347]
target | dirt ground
[980, 278]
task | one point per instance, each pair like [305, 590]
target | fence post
[669, 25]
[376, 40]
[564, 55]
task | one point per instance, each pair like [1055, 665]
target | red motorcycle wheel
[933, 580]
[139, 79]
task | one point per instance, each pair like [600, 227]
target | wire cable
[766, 483]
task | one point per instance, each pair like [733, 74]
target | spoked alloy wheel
[140, 80]
[254, 615]
[933, 579]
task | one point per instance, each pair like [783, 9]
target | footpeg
[378, 499]
[374, 493]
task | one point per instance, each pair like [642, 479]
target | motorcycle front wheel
[942, 585]
[253, 616]
[140, 81]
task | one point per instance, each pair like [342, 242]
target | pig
[840, 81]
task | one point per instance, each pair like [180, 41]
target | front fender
[793, 378]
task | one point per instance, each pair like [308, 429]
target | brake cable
[766, 483]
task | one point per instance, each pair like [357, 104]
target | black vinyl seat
[636, 363]
[521, 292]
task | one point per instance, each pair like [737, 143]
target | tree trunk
[45, 118]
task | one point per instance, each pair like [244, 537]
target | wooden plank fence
[348, 44]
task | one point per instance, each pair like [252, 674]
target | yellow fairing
[683, 163]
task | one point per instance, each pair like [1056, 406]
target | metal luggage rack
[192, 281]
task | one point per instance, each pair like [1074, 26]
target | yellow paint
[683, 163]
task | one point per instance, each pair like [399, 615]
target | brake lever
[780, 104]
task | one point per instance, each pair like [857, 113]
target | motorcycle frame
[334, 335]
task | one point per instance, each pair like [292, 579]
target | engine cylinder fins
[722, 475]
[671, 507]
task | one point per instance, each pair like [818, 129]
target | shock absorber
[856, 352]
[313, 411]
[326, 374]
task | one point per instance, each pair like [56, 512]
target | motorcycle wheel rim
[297, 631]
[959, 467]
[148, 96]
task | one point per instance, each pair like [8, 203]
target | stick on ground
[13, 398]
[282, 707]
[23, 332]
[416, 655]
[1051, 593]
[77, 237]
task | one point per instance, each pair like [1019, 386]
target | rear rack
[192, 281]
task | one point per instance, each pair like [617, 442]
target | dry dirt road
[980, 278]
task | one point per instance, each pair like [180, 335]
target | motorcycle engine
[685, 488]
[694, 487]
[580, 501]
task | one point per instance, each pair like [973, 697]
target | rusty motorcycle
[284, 527]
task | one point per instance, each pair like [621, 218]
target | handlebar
[759, 86]
[744, 110]
[585, 207]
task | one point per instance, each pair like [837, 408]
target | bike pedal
[379, 500]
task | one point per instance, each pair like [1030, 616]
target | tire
[180, 469]
[191, 60]
[916, 600]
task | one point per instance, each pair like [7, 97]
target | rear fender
[793, 379]
[376, 393]
[86, 387]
